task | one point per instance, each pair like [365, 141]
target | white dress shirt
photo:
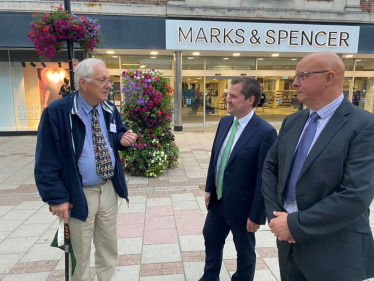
[239, 130]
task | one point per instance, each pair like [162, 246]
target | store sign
[275, 37]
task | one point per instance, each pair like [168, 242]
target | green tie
[225, 158]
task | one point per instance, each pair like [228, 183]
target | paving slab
[130, 246]
[17, 245]
[161, 253]
[40, 276]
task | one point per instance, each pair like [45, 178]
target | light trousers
[101, 225]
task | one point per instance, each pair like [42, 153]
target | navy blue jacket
[60, 140]
[242, 197]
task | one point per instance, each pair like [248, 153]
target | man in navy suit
[233, 188]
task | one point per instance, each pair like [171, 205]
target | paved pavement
[159, 236]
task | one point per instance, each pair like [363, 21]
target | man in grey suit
[318, 180]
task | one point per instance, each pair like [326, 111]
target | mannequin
[65, 88]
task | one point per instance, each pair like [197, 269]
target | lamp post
[70, 50]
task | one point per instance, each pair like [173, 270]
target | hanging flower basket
[50, 31]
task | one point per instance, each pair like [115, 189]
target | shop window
[277, 63]
[348, 64]
[111, 61]
[230, 63]
[146, 62]
[34, 84]
[192, 63]
[364, 65]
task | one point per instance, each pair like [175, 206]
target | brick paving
[159, 235]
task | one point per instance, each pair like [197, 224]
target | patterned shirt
[325, 113]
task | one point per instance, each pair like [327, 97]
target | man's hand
[207, 199]
[251, 226]
[61, 210]
[279, 227]
[128, 138]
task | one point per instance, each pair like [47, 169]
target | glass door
[216, 90]
[193, 99]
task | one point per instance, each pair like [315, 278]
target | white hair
[85, 69]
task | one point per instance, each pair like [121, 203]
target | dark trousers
[215, 231]
[342, 256]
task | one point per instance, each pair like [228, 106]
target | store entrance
[216, 90]
[279, 98]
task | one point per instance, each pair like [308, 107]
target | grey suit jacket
[336, 184]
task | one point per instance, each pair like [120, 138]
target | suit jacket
[242, 197]
[336, 183]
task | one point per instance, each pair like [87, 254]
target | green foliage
[148, 111]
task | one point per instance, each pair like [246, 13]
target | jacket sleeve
[121, 129]
[346, 205]
[257, 212]
[48, 161]
[210, 176]
[270, 179]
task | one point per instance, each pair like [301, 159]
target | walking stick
[66, 244]
[67, 250]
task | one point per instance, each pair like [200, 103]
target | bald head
[326, 61]
[323, 79]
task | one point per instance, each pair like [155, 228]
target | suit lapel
[337, 120]
[221, 135]
[246, 135]
[292, 142]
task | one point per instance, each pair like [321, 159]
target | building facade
[199, 45]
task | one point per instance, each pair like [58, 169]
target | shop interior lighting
[43, 64]
[188, 79]
[226, 58]
[142, 66]
[23, 64]
[358, 60]
[115, 57]
[59, 64]
[32, 64]
[349, 56]
[196, 53]
[293, 59]
[236, 54]
[153, 57]
[260, 59]
[110, 52]
[154, 53]
[275, 55]
[190, 58]
[130, 64]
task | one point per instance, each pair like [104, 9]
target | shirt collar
[329, 109]
[244, 120]
[86, 106]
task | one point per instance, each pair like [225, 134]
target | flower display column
[148, 110]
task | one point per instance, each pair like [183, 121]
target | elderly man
[318, 180]
[77, 163]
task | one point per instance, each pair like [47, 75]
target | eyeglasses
[103, 81]
[301, 76]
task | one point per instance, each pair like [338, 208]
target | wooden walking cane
[67, 249]
[66, 244]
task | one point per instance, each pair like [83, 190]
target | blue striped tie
[299, 158]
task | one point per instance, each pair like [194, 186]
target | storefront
[213, 52]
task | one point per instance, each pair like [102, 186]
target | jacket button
[280, 191]
[227, 173]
